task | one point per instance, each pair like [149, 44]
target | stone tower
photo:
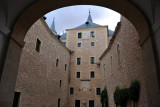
[87, 42]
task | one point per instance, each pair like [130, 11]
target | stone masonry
[38, 76]
[85, 52]
[118, 62]
[121, 71]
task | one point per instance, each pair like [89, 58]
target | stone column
[4, 42]
[9, 62]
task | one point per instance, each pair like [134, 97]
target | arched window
[118, 55]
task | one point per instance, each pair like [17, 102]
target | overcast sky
[72, 16]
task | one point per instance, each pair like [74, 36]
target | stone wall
[38, 77]
[129, 67]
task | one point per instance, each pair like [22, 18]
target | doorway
[77, 103]
[91, 103]
[16, 99]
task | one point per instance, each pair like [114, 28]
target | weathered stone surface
[38, 76]
[130, 67]
[85, 86]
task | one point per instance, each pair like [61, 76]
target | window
[64, 43]
[78, 75]
[104, 70]
[111, 64]
[78, 61]
[59, 101]
[77, 103]
[38, 44]
[98, 91]
[92, 60]
[57, 62]
[91, 103]
[79, 35]
[92, 74]
[79, 44]
[92, 34]
[118, 55]
[65, 67]
[16, 99]
[60, 83]
[92, 43]
[71, 91]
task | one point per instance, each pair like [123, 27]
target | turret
[53, 27]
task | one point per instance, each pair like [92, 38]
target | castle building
[87, 42]
[43, 73]
[54, 75]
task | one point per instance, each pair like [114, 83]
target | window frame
[93, 44]
[78, 63]
[65, 67]
[38, 45]
[71, 92]
[79, 35]
[60, 83]
[92, 62]
[78, 76]
[118, 55]
[92, 76]
[59, 102]
[16, 98]
[79, 45]
[98, 91]
[111, 64]
[92, 34]
[57, 62]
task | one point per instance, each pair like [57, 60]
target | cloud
[72, 16]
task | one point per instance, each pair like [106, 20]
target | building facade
[87, 42]
[121, 63]
[43, 74]
[54, 75]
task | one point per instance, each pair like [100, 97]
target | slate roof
[63, 36]
[88, 23]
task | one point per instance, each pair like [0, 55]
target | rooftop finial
[89, 17]
[53, 26]
[89, 10]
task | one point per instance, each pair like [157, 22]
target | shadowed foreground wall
[38, 77]
[130, 67]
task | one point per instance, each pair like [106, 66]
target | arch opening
[20, 29]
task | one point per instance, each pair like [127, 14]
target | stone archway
[41, 7]
[38, 9]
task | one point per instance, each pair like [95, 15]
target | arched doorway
[39, 8]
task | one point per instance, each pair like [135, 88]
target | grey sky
[72, 16]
